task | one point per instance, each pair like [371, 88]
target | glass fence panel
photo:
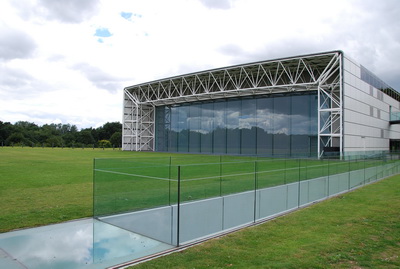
[118, 190]
[292, 170]
[270, 173]
[179, 199]
[380, 173]
[357, 172]
[135, 195]
[371, 169]
[316, 168]
[201, 204]
[237, 177]
[338, 180]
[200, 181]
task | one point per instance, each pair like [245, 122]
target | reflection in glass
[280, 124]
[194, 121]
[219, 132]
[206, 127]
[248, 127]
[183, 129]
[264, 126]
[83, 244]
[232, 126]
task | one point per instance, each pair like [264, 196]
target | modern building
[297, 106]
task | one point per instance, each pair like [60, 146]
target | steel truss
[316, 72]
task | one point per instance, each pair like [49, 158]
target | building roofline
[340, 52]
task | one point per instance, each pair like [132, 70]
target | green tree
[85, 137]
[108, 129]
[104, 144]
[28, 130]
[6, 129]
[55, 141]
[18, 139]
[116, 139]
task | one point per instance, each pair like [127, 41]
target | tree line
[24, 133]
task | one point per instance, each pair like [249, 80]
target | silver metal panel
[200, 218]
[370, 174]
[304, 192]
[318, 189]
[338, 183]
[272, 201]
[292, 195]
[357, 178]
[238, 209]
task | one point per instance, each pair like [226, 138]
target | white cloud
[14, 43]
[217, 4]
[68, 11]
[53, 61]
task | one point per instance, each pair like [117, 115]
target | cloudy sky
[68, 61]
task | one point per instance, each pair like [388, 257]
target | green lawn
[42, 186]
[360, 229]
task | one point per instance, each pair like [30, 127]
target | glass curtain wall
[271, 125]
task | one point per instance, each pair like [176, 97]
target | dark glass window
[194, 124]
[207, 127]
[265, 108]
[219, 132]
[264, 125]
[173, 131]
[281, 123]
[232, 126]
[183, 129]
[301, 122]
[248, 127]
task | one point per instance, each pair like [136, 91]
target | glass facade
[270, 125]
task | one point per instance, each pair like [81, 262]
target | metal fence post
[179, 205]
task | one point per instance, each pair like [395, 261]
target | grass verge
[360, 229]
[40, 186]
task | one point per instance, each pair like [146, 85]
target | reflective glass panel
[270, 125]
[232, 127]
[207, 127]
[194, 121]
[219, 127]
[282, 122]
[248, 126]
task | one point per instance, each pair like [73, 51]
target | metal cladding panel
[366, 111]
[351, 66]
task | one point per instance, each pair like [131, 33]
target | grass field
[360, 229]
[42, 186]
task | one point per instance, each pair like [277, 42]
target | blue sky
[68, 61]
